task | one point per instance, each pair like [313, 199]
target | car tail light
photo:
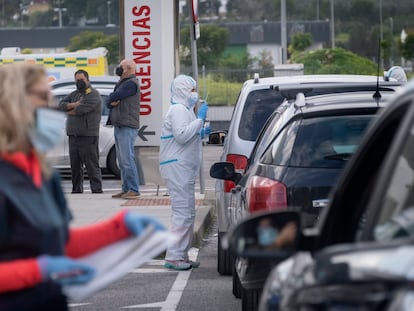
[240, 163]
[264, 193]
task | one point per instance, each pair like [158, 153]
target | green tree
[407, 48]
[94, 39]
[210, 45]
[234, 67]
[266, 63]
[300, 42]
[335, 61]
[38, 19]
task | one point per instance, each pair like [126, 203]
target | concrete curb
[204, 217]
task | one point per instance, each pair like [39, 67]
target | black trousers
[84, 152]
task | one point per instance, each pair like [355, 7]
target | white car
[59, 156]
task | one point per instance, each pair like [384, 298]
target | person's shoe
[130, 195]
[77, 191]
[194, 264]
[177, 265]
[118, 195]
[97, 191]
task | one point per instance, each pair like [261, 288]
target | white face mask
[48, 131]
[193, 99]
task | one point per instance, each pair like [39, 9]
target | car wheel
[225, 262]
[250, 299]
[112, 163]
[236, 284]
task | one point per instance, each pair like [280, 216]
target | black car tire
[112, 163]
[225, 263]
[250, 299]
[237, 287]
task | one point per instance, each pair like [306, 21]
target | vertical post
[122, 29]
[193, 31]
[381, 33]
[332, 25]
[60, 14]
[392, 41]
[317, 10]
[283, 29]
[109, 11]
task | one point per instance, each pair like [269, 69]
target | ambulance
[61, 65]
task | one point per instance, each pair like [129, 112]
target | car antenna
[377, 94]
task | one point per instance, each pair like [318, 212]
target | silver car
[59, 156]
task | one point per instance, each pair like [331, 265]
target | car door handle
[320, 203]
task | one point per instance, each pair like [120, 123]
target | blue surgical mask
[266, 235]
[48, 131]
[193, 99]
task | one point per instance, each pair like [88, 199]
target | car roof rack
[312, 89]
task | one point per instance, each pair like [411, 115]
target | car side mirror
[267, 235]
[225, 171]
[217, 137]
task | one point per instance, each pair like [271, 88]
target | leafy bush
[335, 61]
[218, 92]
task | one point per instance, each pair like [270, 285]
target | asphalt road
[152, 287]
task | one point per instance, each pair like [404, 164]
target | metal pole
[381, 32]
[283, 30]
[109, 11]
[317, 10]
[60, 15]
[332, 25]
[392, 41]
[195, 76]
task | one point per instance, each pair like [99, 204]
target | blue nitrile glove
[137, 223]
[65, 270]
[202, 111]
[205, 131]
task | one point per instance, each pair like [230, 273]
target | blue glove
[202, 111]
[137, 223]
[64, 270]
[205, 131]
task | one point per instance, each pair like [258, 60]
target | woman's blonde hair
[16, 111]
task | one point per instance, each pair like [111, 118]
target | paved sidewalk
[89, 208]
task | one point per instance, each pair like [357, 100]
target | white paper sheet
[116, 260]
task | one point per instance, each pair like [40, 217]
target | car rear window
[328, 142]
[258, 107]
[324, 142]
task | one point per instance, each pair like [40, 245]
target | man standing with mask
[124, 116]
[180, 160]
[84, 110]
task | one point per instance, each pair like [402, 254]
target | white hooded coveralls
[180, 160]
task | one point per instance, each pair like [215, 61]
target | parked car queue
[359, 255]
[257, 100]
[297, 159]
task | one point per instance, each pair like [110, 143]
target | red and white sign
[149, 41]
[194, 10]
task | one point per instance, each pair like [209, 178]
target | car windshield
[328, 142]
[258, 107]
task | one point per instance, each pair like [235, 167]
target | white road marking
[72, 305]
[149, 270]
[176, 291]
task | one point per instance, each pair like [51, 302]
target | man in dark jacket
[84, 110]
[124, 116]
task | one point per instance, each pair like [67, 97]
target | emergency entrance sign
[148, 39]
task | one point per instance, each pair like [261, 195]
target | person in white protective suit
[395, 72]
[180, 160]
